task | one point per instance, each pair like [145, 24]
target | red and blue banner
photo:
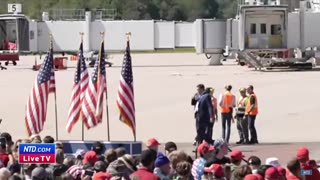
[37, 153]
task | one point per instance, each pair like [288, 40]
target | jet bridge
[211, 39]
[263, 35]
[14, 31]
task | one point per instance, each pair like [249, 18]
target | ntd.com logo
[306, 172]
[37, 153]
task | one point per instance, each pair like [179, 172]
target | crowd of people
[244, 110]
[214, 162]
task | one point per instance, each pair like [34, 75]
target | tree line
[178, 10]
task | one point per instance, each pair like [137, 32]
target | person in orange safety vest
[251, 113]
[242, 121]
[227, 102]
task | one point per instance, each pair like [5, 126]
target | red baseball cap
[90, 157]
[236, 155]
[303, 152]
[152, 142]
[204, 148]
[272, 173]
[281, 171]
[102, 176]
[258, 176]
[216, 169]
[251, 177]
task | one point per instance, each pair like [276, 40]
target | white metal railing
[67, 14]
[79, 14]
[104, 14]
[259, 2]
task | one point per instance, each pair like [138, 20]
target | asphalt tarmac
[289, 107]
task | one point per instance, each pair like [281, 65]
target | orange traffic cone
[73, 58]
[35, 64]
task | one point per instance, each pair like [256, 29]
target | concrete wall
[146, 35]
[115, 38]
[164, 34]
[65, 33]
[184, 35]
[150, 35]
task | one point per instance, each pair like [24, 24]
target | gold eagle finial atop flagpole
[128, 34]
[81, 36]
[102, 34]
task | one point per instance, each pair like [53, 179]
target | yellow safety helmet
[210, 90]
[243, 89]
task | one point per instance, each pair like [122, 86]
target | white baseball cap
[273, 161]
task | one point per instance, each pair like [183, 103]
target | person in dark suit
[194, 101]
[205, 115]
[196, 97]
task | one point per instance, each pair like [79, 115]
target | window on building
[253, 29]
[31, 34]
[275, 29]
[309, 5]
[263, 28]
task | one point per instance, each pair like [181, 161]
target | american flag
[36, 108]
[80, 85]
[125, 100]
[75, 171]
[92, 105]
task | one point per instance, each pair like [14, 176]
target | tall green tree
[135, 9]
[228, 8]
[199, 9]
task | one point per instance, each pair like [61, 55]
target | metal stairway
[250, 59]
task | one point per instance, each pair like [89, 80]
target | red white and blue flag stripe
[125, 100]
[44, 84]
[92, 105]
[80, 85]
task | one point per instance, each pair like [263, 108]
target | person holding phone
[4, 157]
[205, 118]
[100, 171]
[148, 158]
[8, 141]
[195, 102]
[88, 173]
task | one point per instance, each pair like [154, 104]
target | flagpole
[107, 106]
[128, 34]
[82, 124]
[55, 93]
